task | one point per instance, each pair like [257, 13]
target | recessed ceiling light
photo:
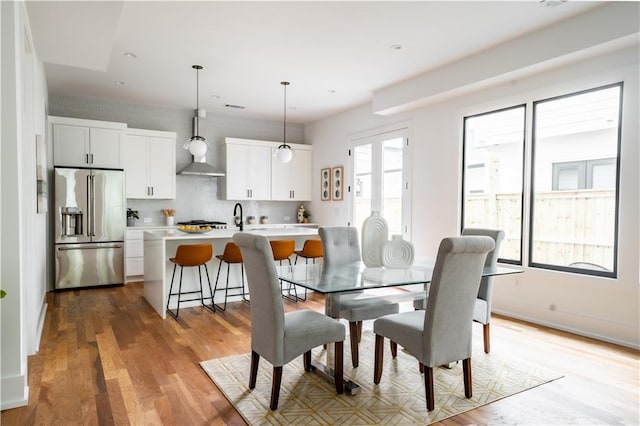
[119, 83]
[215, 97]
[331, 91]
[552, 3]
[292, 108]
[130, 55]
[395, 47]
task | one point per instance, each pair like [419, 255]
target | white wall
[23, 247]
[607, 309]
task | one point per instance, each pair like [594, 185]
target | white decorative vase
[397, 253]
[375, 232]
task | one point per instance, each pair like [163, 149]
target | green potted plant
[306, 214]
[132, 215]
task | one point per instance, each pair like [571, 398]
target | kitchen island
[160, 245]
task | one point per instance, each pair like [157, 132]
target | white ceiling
[335, 54]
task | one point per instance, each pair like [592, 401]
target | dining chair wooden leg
[485, 332]
[394, 348]
[353, 336]
[359, 331]
[378, 358]
[338, 366]
[466, 371]
[306, 358]
[275, 387]
[255, 360]
[428, 387]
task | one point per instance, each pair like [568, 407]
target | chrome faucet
[235, 208]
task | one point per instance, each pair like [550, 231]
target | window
[492, 178]
[379, 181]
[573, 188]
[574, 208]
[586, 174]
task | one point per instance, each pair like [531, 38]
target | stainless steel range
[201, 222]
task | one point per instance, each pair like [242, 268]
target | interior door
[380, 180]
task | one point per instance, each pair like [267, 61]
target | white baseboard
[567, 329]
[43, 315]
[14, 392]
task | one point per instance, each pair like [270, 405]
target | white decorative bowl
[397, 253]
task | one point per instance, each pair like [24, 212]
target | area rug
[306, 398]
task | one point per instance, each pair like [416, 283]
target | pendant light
[284, 152]
[196, 145]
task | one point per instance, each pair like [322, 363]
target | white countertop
[147, 227]
[175, 234]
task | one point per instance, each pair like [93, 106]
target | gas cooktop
[200, 222]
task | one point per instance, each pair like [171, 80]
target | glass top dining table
[327, 279]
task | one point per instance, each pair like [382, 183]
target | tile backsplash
[196, 198]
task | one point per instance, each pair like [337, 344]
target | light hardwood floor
[107, 358]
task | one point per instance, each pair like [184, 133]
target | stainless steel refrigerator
[89, 228]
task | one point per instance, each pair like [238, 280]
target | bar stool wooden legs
[312, 249]
[282, 250]
[191, 255]
[231, 255]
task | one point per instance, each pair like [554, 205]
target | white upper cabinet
[253, 173]
[150, 164]
[87, 143]
[292, 181]
[248, 175]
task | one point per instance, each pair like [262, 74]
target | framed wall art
[337, 178]
[325, 184]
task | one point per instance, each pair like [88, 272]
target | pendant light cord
[284, 136]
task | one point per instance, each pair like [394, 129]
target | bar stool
[231, 255]
[312, 249]
[191, 255]
[282, 250]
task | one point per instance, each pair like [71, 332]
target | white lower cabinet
[150, 164]
[134, 252]
[134, 255]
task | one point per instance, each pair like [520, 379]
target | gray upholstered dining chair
[442, 333]
[340, 245]
[482, 311]
[277, 336]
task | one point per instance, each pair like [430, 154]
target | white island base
[159, 246]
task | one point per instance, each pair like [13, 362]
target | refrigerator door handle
[92, 204]
[103, 246]
[89, 204]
